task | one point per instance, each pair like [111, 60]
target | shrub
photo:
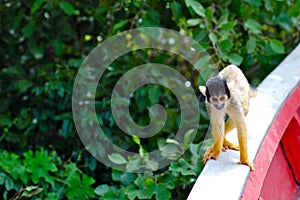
[44, 174]
[43, 44]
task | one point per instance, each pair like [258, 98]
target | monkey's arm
[217, 124]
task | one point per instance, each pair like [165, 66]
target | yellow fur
[236, 107]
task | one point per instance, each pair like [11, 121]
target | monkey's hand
[248, 163]
[228, 145]
[210, 154]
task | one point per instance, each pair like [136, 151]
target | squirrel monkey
[228, 93]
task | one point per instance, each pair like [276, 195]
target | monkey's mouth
[219, 106]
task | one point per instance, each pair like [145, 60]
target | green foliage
[246, 33]
[42, 174]
[43, 43]
[180, 174]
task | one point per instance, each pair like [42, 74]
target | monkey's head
[216, 92]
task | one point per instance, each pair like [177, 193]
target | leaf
[9, 183]
[132, 193]
[161, 192]
[149, 186]
[193, 22]
[224, 17]
[189, 137]
[293, 11]
[154, 94]
[21, 172]
[277, 46]
[37, 52]
[73, 182]
[152, 19]
[2, 178]
[36, 5]
[81, 189]
[133, 164]
[136, 139]
[186, 168]
[196, 6]
[285, 22]
[253, 26]
[183, 167]
[209, 14]
[22, 85]
[172, 141]
[235, 59]
[119, 25]
[213, 38]
[18, 20]
[101, 189]
[226, 44]
[268, 50]
[87, 182]
[194, 149]
[5, 120]
[228, 26]
[140, 99]
[152, 165]
[58, 47]
[251, 45]
[269, 6]
[28, 30]
[176, 10]
[40, 166]
[235, 7]
[171, 151]
[124, 178]
[117, 158]
[66, 128]
[67, 8]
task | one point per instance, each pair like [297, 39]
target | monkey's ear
[228, 87]
[202, 90]
[202, 96]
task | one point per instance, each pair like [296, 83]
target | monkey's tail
[253, 91]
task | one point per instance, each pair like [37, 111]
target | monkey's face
[219, 102]
[217, 92]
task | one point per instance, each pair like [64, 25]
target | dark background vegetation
[42, 46]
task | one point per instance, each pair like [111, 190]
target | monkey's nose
[220, 106]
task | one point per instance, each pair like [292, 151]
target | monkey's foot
[210, 154]
[248, 163]
[228, 145]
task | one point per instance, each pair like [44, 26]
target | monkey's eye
[222, 98]
[214, 99]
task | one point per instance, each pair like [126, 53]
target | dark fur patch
[201, 98]
[226, 88]
[214, 85]
[207, 94]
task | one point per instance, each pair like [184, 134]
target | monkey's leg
[230, 124]
[218, 137]
[243, 142]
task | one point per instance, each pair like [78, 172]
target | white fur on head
[202, 90]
